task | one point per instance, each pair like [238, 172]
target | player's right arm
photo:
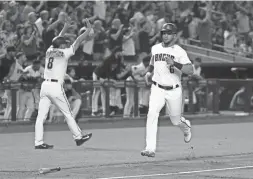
[82, 37]
[150, 68]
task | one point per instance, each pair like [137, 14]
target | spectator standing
[122, 13]
[87, 46]
[20, 33]
[13, 13]
[7, 61]
[218, 40]
[230, 39]
[242, 21]
[44, 16]
[205, 27]
[166, 19]
[99, 41]
[5, 7]
[29, 94]
[184, 23]
[137, 75]
[193, 29]
[144, 39]
[7, 34]
[36, 72]
[128, 46]
[115, 34]
[27, 9]
[29, 43]
[15, 72]
[119, 72]
[102, 73]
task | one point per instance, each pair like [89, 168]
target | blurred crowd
[134, 26]
[30, 26]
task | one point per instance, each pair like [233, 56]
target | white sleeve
[184, 59]
[69, 51]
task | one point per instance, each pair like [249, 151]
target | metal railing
[208, 86]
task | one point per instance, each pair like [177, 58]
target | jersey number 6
[50, 63]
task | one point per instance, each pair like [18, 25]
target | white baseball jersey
[57, 62]
[18, 71]
[163, 74]
[31, 73]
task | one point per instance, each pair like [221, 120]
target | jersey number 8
[50, 63]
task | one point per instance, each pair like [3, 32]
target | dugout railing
[210, 96]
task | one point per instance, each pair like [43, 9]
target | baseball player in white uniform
[167, 63]
[52, 91]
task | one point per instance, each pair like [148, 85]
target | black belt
[52, 80]
[165, 87]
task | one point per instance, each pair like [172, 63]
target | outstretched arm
[64, 30]
[83, 36]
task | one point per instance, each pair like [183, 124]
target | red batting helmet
[59, 40]
[169, 28]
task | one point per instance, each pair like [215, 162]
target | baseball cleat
[44, 146]
[147, 153]
[83, 139]
[188, 134]
[187, 137]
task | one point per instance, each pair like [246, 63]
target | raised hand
[88, 23]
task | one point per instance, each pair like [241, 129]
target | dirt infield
[216, 151]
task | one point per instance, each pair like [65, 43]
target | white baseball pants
[158, 98]
[53, 92]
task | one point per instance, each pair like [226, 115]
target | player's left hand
[169, 60]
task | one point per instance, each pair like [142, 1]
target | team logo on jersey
[161, 57]
[55, 53]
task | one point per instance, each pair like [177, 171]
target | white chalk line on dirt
[180, 173]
